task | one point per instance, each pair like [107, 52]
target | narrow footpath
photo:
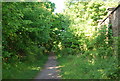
[50, 70]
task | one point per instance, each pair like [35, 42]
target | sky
[59, 5]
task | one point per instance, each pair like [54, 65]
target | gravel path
[50, 70]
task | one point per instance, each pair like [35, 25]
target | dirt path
[50, 70]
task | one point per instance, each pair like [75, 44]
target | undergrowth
[80, 67]
[90, 51]
[23, 70]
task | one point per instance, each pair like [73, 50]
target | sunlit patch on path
[50, 70]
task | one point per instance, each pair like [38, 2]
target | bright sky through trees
[59, 5]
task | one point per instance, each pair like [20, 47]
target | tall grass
[23, 70]
[80, 67]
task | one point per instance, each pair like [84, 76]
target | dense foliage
[26, 32]
[89, 47]
[32, 30]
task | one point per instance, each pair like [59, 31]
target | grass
[28, 70]
[79, 67]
